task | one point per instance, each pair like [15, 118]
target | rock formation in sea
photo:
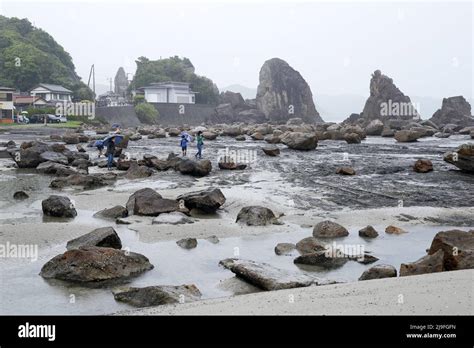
[454, 110]
[283, 93]
[121, 82]
[386, 103]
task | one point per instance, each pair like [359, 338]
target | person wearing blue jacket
[184, 144]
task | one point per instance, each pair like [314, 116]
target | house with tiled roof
[52, 94]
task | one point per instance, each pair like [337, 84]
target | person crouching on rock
[110, 153]
[184, 144]
[200, 144]
[100, 146]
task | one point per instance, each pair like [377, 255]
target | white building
[6, 104]
[169, 92]
[52, 93]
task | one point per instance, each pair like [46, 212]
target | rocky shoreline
[161, 196]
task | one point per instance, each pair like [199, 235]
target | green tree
[29, 56]
[146, 113]
[174, 69]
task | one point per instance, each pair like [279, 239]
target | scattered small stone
[212, 239]
[329, 229]
[173, 218]
[284, 248]
[394, 230]
[345, 171]
[423, 166]
[187, 243]
[368, 232]
[20, 195]
[378, 272]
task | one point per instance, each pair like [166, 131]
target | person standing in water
[184, 144]
[200, 144]
[110, 153]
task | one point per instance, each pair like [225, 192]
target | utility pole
[92, 73]
[110, 80]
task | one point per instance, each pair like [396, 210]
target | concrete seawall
[179, 114]
[169, 114]
[123, 115]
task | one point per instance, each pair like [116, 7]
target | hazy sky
[426, 47]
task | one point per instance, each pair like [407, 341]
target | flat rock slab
[95, 264]
[101, 237]
[112, 213]
[157, 295]
[267, 277]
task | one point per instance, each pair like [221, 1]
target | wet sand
[446, 293]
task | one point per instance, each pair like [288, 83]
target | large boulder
[265, 276]
[148, 202]
[194, 168]
[228, 163]
[208, 200]
[407, 136]
[233, 98]
[458, 249]
[58, 206]
[256, 216]
[322, 259]
[378, 272]
[352, 138]
[283, 93]
[91, 181]
[94, 264]
[54, 157]
[55, 169]
[136, 171]
[157, 295]
[427, 264]
[329, 229]
[71, 138]
[375, 127]
[232, 131]
[300, 141]
[454, 110]
[209, 135]
[271, 151]
[309, 245]
[462, 157]
[29, 155]
[101, 237]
